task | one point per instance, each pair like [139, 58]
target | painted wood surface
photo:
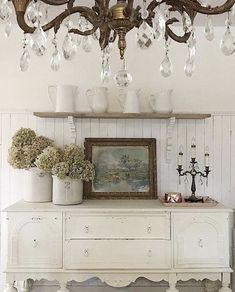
[217, 132]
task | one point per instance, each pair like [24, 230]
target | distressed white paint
[217, 132]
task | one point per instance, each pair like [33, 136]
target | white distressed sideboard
[118, 242]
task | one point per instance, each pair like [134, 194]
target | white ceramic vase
[67, 191]
[38, 187]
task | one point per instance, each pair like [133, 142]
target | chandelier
[109, 22]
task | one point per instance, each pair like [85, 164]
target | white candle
[180, 156]
[193, 148]
[207, 157]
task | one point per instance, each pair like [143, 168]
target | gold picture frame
[125, 168]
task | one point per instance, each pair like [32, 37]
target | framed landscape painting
[125, 168]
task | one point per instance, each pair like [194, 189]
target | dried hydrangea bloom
[73, 153]
[61, 170]
[23, 136]
[48, 158]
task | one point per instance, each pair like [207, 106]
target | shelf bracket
[169, 144]
[72, 128]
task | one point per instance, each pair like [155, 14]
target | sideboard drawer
[155, 226]
[117, 254]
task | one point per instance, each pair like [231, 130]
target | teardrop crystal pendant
[187, 23]
[209, 29]
[5, 11]
[145, 36]
[189, 68]
[24, 61]
[227, 44]
[55, 60]
[8, 29]
[159, 24]
[39, 41]
[69, 47]
[105, 66]
[87, 44]
[166, 67]
[32, 13]
[123, 78]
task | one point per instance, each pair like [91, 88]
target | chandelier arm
[153, 4]
[172, 35]
[104, 36]
[197, 7]
[86, 12]
[55, 2]
[87, 32]
[175, 37]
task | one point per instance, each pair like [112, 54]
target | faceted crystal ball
[123, 78]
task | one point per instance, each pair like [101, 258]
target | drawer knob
[150, 253]
[86, 252]
[86, 229]
[200, 243]
[35, 243]
[149, 229]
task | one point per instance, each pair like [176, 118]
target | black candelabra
[193, 171]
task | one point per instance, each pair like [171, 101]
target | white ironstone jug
[161, 102]
[98, 99]
[63, 97]
[129, 101]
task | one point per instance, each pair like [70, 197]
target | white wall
[210, 89]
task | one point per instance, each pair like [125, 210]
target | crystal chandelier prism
[107, 24]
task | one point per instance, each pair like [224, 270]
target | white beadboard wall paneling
[190, 135]
[209, 143]
[218, 133]
[17, 176]
[200, 150]
[232, 162]
[163, 178]
[172, 173]
[182, 140]
[59, 132]
[217, 150]
[5, 167]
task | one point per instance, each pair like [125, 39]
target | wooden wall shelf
[118, 115]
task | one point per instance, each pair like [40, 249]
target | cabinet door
[35, 240]
[201, 240]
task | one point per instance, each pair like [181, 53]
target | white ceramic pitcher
[98, 99]
[63, 97]
[161, 102]
[129, 101]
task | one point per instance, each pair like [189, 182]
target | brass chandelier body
[117, 20]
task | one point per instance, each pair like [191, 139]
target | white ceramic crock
[67, 191]
[38, 187]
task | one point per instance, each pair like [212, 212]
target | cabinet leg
[10, 288]
[63, 288]
[172, 284]
[210, 286]
[26, 286]
[225, 283]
